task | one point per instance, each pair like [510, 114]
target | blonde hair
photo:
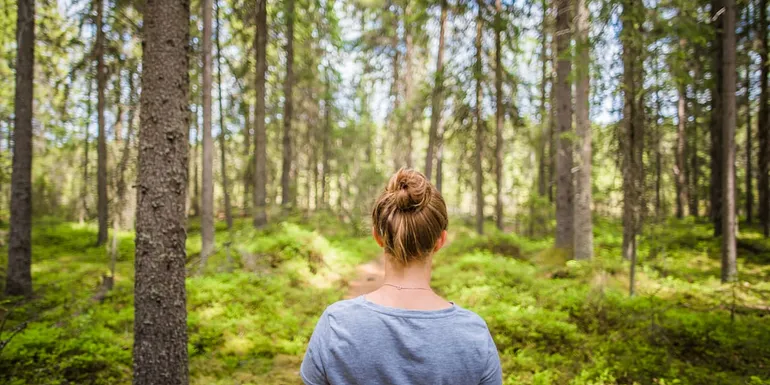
[409, 216]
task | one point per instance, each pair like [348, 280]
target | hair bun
[410, 189]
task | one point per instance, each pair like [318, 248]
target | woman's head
[409, 218]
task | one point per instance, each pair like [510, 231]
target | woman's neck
[415, 274]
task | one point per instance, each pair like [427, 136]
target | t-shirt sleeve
[312, 369]
[493, 373]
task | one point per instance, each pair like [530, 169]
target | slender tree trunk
[632, 133]
[564, 188]
[207, 201]
[440, 158]
[694, 163]
[408, 84]
[249, 170]
[395, 86]
[729, 271]
[326, 145]
[287, 197]
[19, 273]
[681, 140]
[118, 204]
[196, 199]
[223, 131]
[749, 147]
[437, 98]
[763, 129]
[260, 133]
[542, 179]
[101, 147]
[499, 116]
[160, 313]
[584, 239]
[86, 145]
[477, 68]
[717, 116]
[552, 123]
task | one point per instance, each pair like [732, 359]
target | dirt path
[369, 277]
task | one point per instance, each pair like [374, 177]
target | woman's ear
[440, 242]
[377, 236]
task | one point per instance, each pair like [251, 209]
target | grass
[252, 308]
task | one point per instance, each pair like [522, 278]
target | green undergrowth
[567, 322]
[251, 309]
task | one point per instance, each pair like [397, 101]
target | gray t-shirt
[360, 342]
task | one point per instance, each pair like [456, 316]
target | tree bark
[19, 273]
[681, 140]
[249, 170]
[584, 240]
[196, 199]
[716, 119]
[477, 68]
[408, 83]
[101, 146]
[326, 146]
[499, 115]
[437, 101]
[287, 196]
[542, 178]
[564, 188]
[729, 271]
[222, 131]
[749, 147]
[207, 198]
[763, 129]
[160, 314]
[694, 161]
[260, 133]
[395, 86]
[86, 145]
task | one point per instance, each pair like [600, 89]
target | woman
[403, 332]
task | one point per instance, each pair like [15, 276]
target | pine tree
[563, 93]
[584, 247]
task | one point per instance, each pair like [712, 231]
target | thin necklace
[405, 288]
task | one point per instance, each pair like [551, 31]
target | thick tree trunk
[584, 239]
[260, 133]
[437, 98]
[563, 89]
[160, 314]
[479, 148]
[681, 140]
[763, 129]
[716, 119]
[287, 196]
[207, 198]
[223, 131]
[729, 271]
[101, 146]
[499, 115]
[19, 273]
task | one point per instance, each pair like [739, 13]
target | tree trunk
[694, 162]
[287, 197]
[437, 101]
[632, 133]
[86, 145]
[326, 145]
[260, 133]
[207, 201]
[584, 239]
[395, 86]
[440, 158]
[681, 140]
[749, 145]
[160, 314]
[499, 116]
[101, 147]
[542, 178]
[408, 84]
[118, 204]
[763, 129]
[564, 189]
[249, 170]
[716, 120]
[223, 132]
[196, 199]
[729, 271]
[19, 273]
[479, 149]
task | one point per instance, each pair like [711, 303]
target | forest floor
[554, 321]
